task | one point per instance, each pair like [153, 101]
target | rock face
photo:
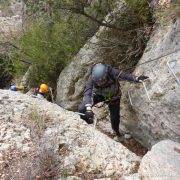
[162, 162]
[26, 78]
[150, 118]
[11, 22]
[30, 125]
[107, 45]
[157, 118]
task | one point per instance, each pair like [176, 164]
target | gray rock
[17, 7]
[103, 179]
[70, 178]
[25, 81]
[76, 143]
[158, 119]
[127, 136]
[162, 162]
[132, 177]
[11, 24]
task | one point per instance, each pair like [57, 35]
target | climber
[40, 92]
[103, 86]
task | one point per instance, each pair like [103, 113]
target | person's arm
[120, 75]
[88, 99]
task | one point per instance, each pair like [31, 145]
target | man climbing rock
[103, 85]
[41, 92]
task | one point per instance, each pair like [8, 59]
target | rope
[155, 59]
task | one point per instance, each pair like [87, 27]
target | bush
[49, 45]
[6, 70]
[55, 35]
[141, 9]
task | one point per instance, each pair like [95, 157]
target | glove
[89, 114]
[142, 78]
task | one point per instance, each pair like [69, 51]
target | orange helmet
[43, 88]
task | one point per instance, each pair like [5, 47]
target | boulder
[42, 130]
[162, 162]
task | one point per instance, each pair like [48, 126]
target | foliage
[37, 120]
[49, 45]
[141, 9]
[7, 70]
[96, 8]
[55, 35]
[57, 29]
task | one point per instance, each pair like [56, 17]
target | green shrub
[7, 70]
[141, 9]
[55, 35]
[49, 46]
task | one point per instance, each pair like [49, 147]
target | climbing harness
[107, 101]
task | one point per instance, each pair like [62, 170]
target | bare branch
[82, 12]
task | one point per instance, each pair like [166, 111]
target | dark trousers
[114, 108]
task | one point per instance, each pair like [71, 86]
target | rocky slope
[40, 140]
[161, 162]
[31, 127]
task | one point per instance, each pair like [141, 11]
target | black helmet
[99, 74]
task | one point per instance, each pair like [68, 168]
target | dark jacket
[111, 89]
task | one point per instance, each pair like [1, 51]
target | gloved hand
[89, 114]
[142, 78]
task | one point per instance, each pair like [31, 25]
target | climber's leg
[114, 108]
